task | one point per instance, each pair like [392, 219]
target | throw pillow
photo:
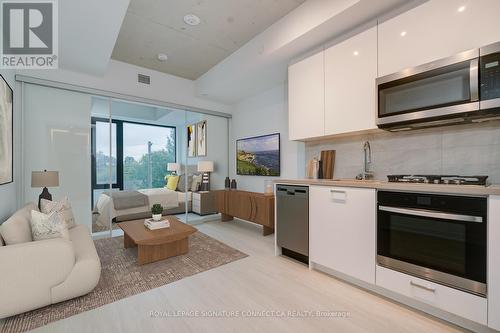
[182, 186]
[172, 182]
[62, 207]
[17, 228]
[50, 226]
[195, 185]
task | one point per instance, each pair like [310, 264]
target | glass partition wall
[105, 148]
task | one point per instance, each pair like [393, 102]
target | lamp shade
[205, 166]
[173, 166]
[45, 178]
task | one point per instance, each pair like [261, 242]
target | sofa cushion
[17, 228]
[49, 226]
[195, 185]
[1, 241]
[62, 207]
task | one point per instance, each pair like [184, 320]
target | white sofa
[38, 273]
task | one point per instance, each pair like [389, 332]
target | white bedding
[167, 198]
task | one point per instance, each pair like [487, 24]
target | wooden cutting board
[328, 159]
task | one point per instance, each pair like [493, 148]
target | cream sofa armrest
[30, 270]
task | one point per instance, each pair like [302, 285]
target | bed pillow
[62, 207]
[172, 182]
[50, 226]
[182, 186]
[195, 184]
[17, 228]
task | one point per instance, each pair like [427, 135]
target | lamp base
[205, 182]
[44, 195]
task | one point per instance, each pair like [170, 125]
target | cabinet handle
[418, 285]
[338, 195]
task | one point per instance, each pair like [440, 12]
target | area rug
[122, 277]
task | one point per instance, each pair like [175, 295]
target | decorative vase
[233, 184]
[157, 217]
[227, 183]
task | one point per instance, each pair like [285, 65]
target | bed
[130, 205]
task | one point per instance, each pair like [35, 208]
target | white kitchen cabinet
[342, 230]
[449, 299]
[494, 262]
[350, 90]
[306, 98]
[435, 30]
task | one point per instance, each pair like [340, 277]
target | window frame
[119, 151]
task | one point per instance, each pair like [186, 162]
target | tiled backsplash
[472, 149]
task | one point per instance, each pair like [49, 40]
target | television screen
[258, 156]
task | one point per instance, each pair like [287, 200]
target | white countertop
[493, 189]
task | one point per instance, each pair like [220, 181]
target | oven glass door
[453, 246]
[444, 90]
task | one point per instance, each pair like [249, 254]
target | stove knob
[436, 181]
[457, 181]
[446, 181]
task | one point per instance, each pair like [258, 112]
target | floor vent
[146, 79]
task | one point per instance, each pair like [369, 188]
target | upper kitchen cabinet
[306, 98]
[435, 30]
[350, 95]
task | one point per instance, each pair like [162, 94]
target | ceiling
[151, 27]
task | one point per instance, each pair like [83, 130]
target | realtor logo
[29, 34]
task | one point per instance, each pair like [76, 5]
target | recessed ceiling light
[403, 33]
[162, 57]
[192, 19]
[355, 53]
[461, 8]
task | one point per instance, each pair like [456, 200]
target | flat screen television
[258, 156]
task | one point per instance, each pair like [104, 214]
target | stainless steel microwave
[462, 88]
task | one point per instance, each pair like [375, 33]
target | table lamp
[173, 168]
[44, 179]
[205, 167]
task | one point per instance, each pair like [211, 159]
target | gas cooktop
[439, 179]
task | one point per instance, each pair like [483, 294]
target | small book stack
[154, 225]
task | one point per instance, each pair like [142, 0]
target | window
[139, 155]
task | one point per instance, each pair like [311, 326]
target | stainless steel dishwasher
[292, 229]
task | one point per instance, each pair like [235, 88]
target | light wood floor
[258, 282]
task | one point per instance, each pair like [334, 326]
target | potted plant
[157, 211]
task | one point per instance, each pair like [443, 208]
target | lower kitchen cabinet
[342, 230]
[449, 299]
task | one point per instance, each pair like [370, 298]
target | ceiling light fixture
[403, 33]
[192, 19]
[461, 8]
[162, 57]
[356, 53]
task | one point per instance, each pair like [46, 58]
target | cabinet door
[220, 201]
[306, 98]
[494, 262]
[342, 230]
[434, 30]
[350, 74]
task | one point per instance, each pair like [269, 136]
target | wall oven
[458, 89]
[439, 238]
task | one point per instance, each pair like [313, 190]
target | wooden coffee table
[154, 245]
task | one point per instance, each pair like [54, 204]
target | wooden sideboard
[249, 206]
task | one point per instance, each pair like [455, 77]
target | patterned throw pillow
[196, 183]
[62, 207]
[45, 226]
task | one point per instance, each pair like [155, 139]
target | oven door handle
[432, 214]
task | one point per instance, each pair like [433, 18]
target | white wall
[122, 78]
[265, 113]
[56, 136]
[8, 192]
